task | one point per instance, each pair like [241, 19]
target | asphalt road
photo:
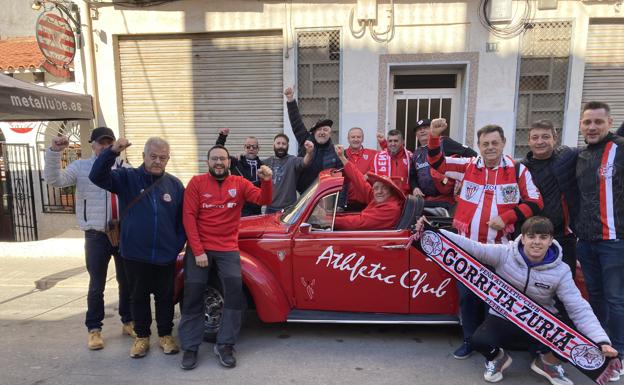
[43, 341]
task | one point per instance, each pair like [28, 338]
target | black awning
[21, 101]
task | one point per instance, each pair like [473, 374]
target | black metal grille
[18, 197]
[54, 199]
[543, 79]
[318, 77]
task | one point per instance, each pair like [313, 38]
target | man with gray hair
[152, 235]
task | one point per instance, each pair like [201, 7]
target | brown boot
[139, 347]
[168, 344]
[95, 341]
[128, 329]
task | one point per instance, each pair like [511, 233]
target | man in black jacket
[600, 222]
[246, 165]
[320, 134]
[552, 169]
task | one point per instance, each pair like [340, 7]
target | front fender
[272, 305]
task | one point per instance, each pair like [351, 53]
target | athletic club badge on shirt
[365, 156]
[232, 192]
[166, 197]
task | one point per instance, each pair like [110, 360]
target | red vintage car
[297, 268]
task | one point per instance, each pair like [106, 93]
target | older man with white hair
[152, 235]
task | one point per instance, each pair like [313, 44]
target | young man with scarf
[495, 193]
[532, 263]
[394, 161]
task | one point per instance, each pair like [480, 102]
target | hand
[339, 150]
[497, 223]
[420, 223]
[438, 126]
[309, 146]
[120, 144]
[59, 143]
[289, 93]
[201, 260]
[265, 173]
[380, 137]
[608, 351]
[418, 192]
[224, 131]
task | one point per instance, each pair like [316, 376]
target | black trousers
[496, 332]
[146, 279]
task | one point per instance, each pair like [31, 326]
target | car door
[431, 289]
[352, 271]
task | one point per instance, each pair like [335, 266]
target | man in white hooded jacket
[532, 264]
[94, 208]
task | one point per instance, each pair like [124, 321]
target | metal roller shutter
[185, 87]
[604, 67]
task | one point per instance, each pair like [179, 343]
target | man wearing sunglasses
[246, 165]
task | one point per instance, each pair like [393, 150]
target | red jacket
[376, 216]
[363, 161]
[212, 209]
[396, 166]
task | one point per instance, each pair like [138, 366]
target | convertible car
[297, 268]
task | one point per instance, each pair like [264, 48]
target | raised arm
[296, 122]
[361, 188]
[451, 167]
[101, 174]
[52, 172]
[264, 194]
[223, 134]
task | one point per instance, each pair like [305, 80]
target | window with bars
[54, 199]
[543, 81]
[318, 77]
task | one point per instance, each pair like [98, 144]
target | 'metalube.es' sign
[21, 101]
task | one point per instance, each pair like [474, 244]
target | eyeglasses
[251, 147]
[218, 158]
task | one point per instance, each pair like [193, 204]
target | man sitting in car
[383, 198]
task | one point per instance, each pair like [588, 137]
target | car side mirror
[305, 228]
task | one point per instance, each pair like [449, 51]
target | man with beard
[286, 169]
[212, 208]
[394, 161]
[320, 134]
[246, 165]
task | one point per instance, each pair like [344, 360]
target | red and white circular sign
[56, 39]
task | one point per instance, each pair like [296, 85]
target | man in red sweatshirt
[211, 216]
[384, 200]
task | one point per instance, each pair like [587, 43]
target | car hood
[257, 225]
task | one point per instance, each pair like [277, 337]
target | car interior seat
[412, 210]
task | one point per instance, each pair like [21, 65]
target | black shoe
[226, 355]
[464, 351]
[189, 360]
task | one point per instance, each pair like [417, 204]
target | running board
[316, 316]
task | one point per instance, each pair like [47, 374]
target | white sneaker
[617, 375]
[494, 369]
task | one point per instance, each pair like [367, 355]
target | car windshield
[292, 213]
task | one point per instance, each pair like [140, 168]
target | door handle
[393, 247]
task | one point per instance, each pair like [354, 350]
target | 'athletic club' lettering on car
[358, 267]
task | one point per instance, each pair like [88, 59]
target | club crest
[431, 243]
[232, 192]
[365, 156]
[587, 357]
[471, 190]
[509, 193]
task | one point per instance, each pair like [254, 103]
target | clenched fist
[120, 144]
[224, 131]
[309, 146]
[380, 137]
[438, 126]
[59, 143]
[265, 173]
[289, 93]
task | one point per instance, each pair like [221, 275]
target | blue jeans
[98, 251]
[602, 263]
[472, 310]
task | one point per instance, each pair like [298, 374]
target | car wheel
[213, 311]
